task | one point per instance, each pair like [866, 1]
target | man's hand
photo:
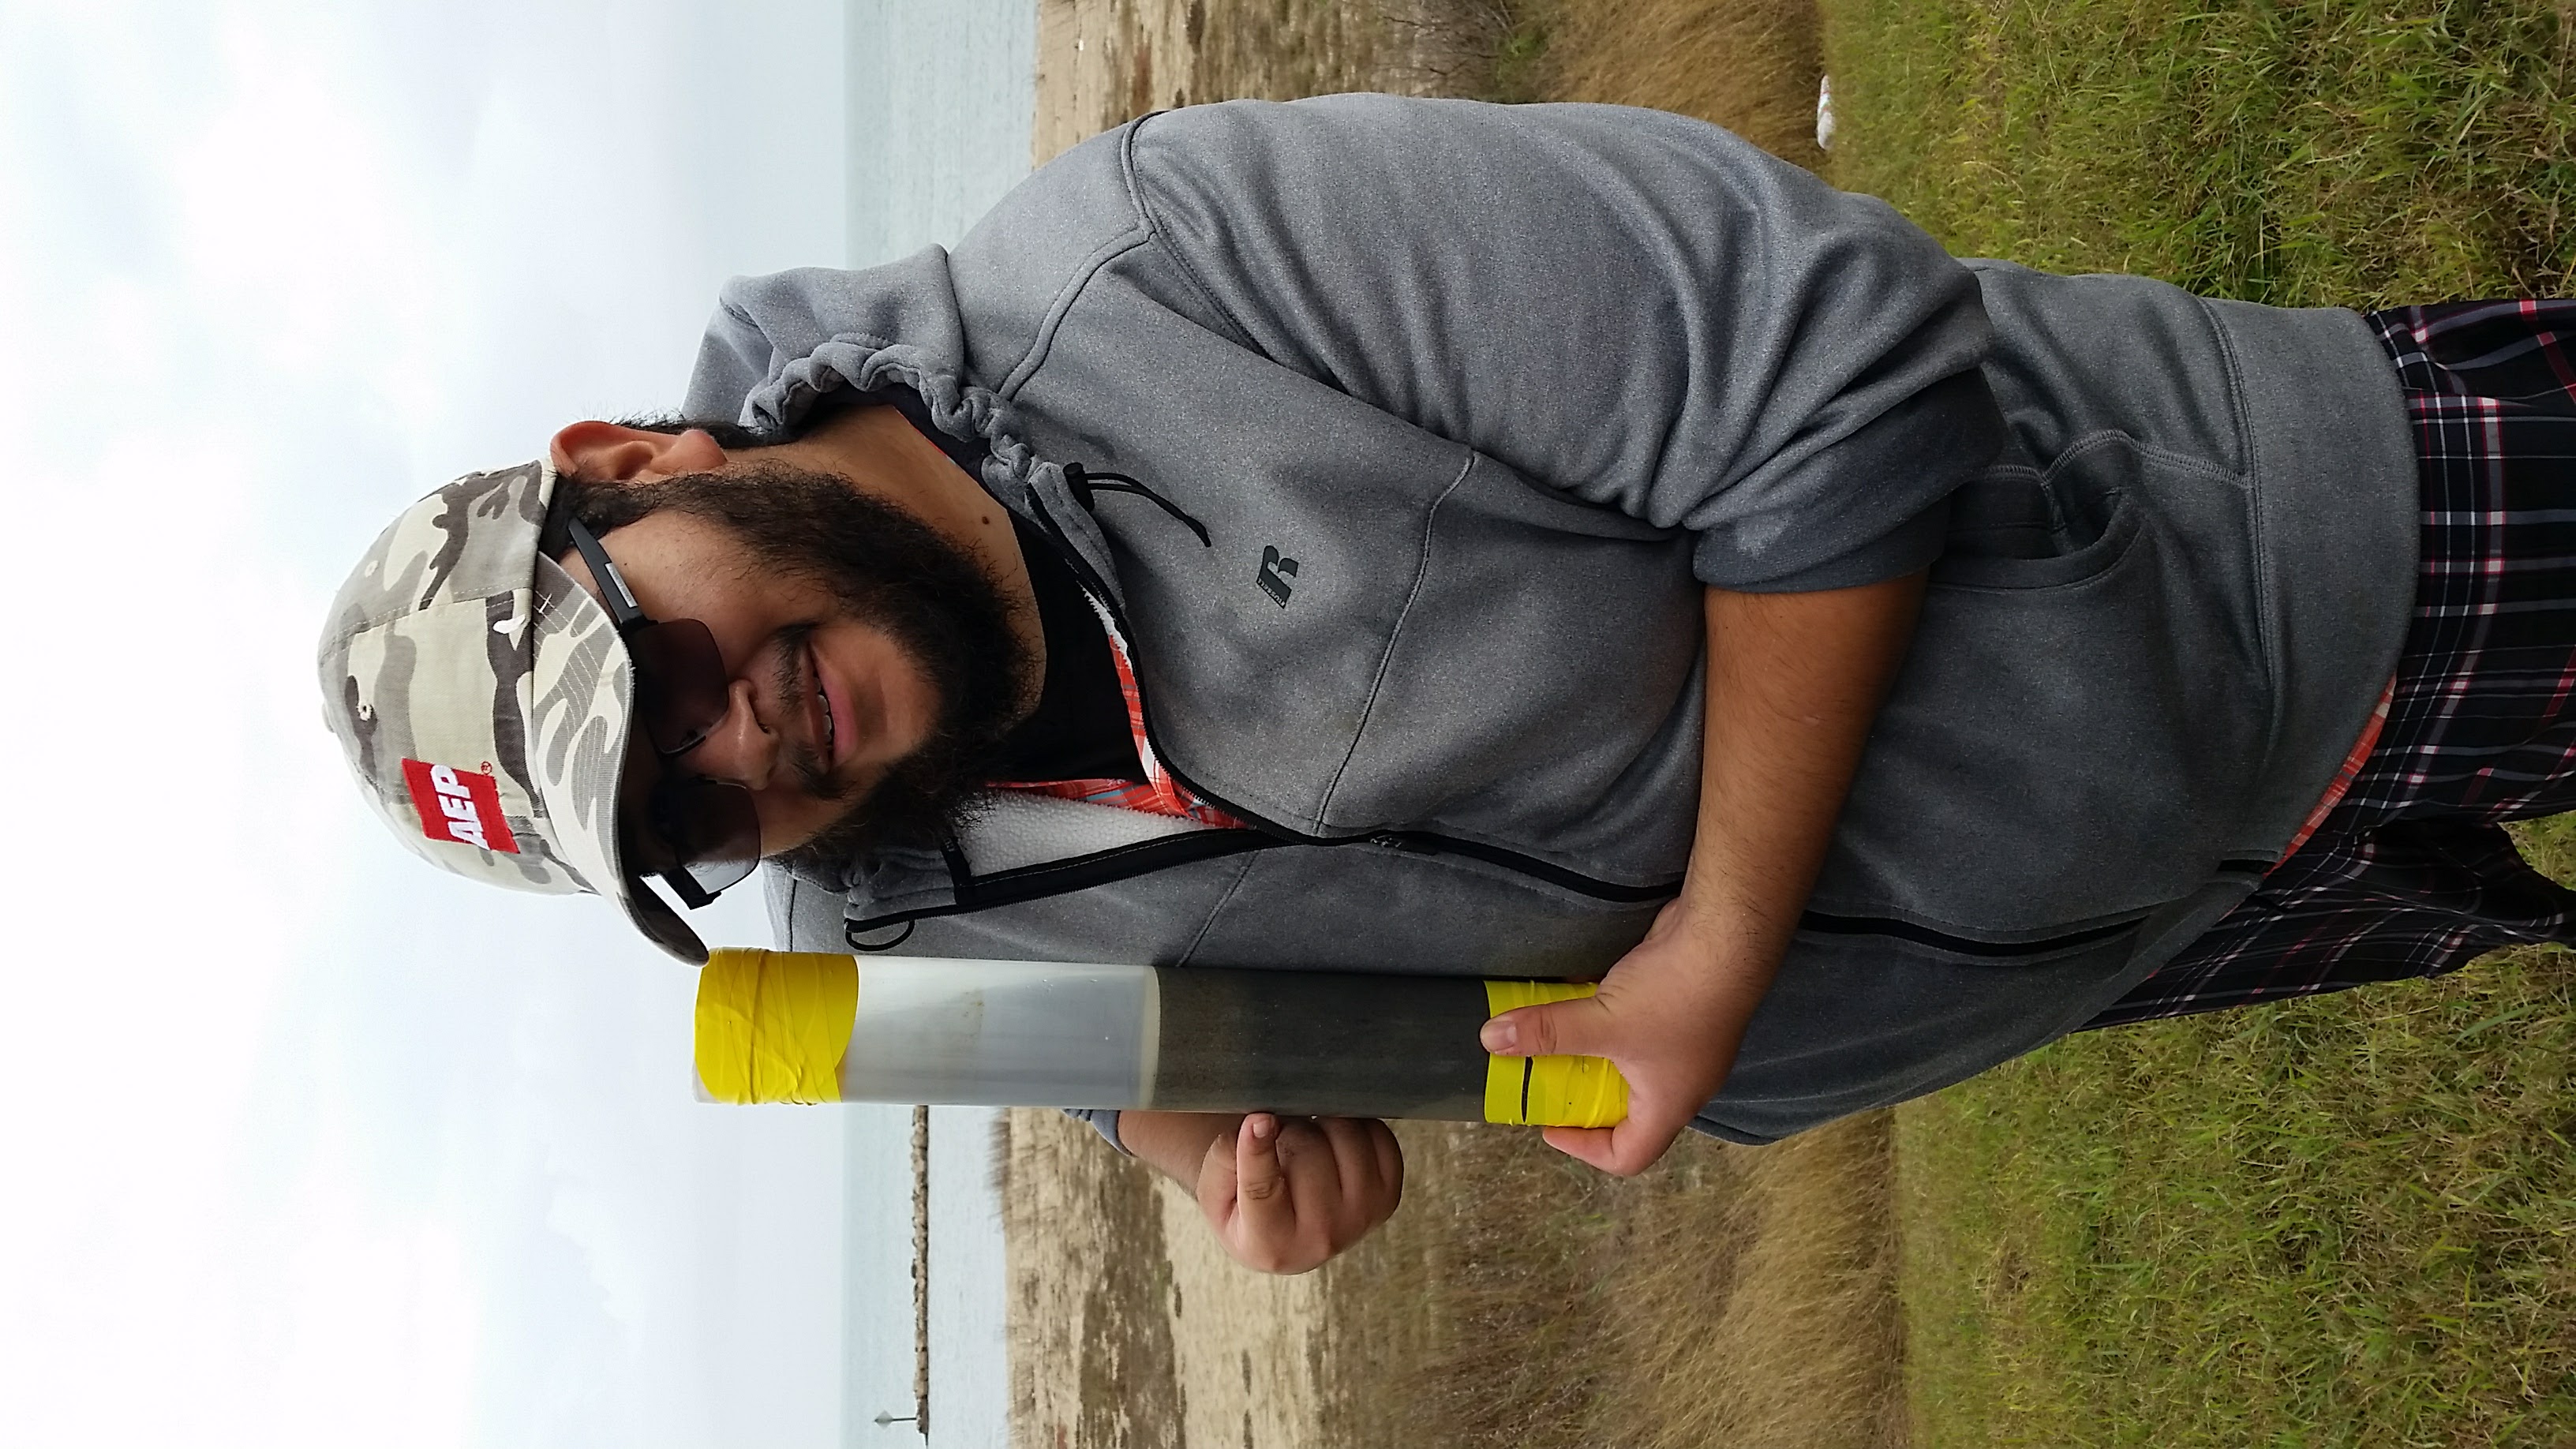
[1669, 1015]
[1794, 681]
[1283, 1193]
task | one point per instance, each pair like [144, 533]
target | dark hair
[602, 506]
[729, 436]
[606, 506]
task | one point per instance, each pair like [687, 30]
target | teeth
[831, 726]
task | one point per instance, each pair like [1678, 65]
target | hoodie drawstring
[1084, 483]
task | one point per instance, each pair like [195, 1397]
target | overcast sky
[305, 1144]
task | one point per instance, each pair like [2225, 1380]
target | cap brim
[582, 715]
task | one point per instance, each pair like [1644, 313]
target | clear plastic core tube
[1031, 1033]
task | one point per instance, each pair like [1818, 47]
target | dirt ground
[1102, 62]
[1128, 1324]
[1731, 1295]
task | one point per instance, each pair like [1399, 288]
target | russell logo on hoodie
[1276, 570]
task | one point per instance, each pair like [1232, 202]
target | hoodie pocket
[2082, 713]
[2017, 527]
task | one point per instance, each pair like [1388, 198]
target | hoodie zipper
[1027, 883]
[1417, 842]
[1126, 862]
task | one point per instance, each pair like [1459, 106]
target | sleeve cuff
[1103, 1120]
[1910, 546]
[1829, 528]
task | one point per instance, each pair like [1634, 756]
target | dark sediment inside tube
[1320, 1043]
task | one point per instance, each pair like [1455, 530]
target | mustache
[794, 683]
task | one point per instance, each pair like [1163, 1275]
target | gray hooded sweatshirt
[1472, 401]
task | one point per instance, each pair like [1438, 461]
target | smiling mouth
[799, 691]
[831, 731]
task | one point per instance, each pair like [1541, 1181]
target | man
[1561, 542]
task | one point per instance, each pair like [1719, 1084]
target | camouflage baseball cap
[483, 698]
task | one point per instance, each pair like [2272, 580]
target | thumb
[1261, 1202]
[1559, 1028]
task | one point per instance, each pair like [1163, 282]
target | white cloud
[292, 1161]
[380, 1315]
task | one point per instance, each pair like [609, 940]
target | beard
[885, 568]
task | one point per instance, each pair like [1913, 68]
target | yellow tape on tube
[1550, 1091]
[772, 1025]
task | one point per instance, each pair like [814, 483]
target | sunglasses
[681, 692]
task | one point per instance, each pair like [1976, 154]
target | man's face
[870, 661]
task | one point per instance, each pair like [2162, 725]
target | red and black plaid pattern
[2409, 872]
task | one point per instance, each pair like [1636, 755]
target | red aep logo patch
[459, 805]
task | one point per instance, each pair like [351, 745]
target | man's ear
[598, 452]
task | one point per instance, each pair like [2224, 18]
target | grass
[2343, 1221]
[1730, 1295]
[2301, 152]
[2350, 1220]
[1748, 65]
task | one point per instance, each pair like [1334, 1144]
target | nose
[740, 748]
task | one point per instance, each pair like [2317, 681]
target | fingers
[1370, 1169]
[1622, 1151]
[1385, 1165]
[1354, 1163]
[1286, 1195]
[1593, 1146]
[1574, 1028]
[1264, 1208]
[1215, 1180]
